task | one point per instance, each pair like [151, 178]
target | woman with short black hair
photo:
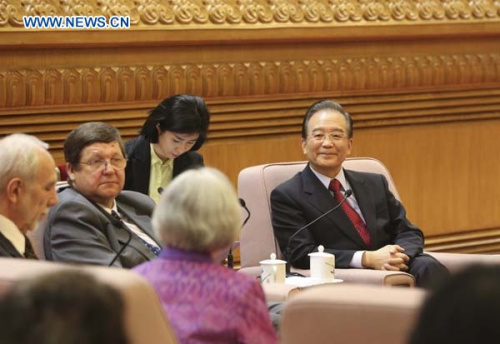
[167, 144]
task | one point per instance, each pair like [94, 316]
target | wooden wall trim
[249, 118]
[48, 39]
[474, 241]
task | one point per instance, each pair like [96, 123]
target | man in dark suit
[95, 221]
[27, 191]
[370, 229]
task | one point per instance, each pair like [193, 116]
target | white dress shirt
[136, 230]
[356, 261]
[13, 234]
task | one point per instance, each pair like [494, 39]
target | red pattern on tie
[356, 220]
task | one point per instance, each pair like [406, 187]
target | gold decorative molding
[241, 12]
[110, 84]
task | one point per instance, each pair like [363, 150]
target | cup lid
[273, 260]
[320, 253]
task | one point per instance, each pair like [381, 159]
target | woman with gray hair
[198, 216]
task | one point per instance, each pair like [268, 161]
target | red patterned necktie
[350, 212]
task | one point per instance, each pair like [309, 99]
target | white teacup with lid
[322, 265]
[272, 270]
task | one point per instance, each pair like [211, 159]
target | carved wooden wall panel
[26, 87]
[421, 79]
[234, 12]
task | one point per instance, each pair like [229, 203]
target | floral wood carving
[241, 12]
[29, 87]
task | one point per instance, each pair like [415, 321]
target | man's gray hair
[199, 211]
[19, 158]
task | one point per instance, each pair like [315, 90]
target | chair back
[36, 236]
[255, 185]
[354, 314]
[145, 320]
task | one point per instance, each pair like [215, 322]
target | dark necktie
[353, 216]
[156, 250]
[29, 253]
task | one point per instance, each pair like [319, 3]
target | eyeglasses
[117, 163]
[333, 137]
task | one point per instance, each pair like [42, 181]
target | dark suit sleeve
[187, 161]
[198, 161]
[75, 234]
[287, 218]
[138, 169]
[402, 231]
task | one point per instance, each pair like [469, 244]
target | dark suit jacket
[78, 231]
[303, 198]
[7, 249]
[138, 168]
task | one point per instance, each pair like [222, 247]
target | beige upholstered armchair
[333, 313]
[145, 320]
[257, 240]
[354, 314]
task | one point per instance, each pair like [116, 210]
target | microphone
[244, 205]
[230, 254]
[118, 254]
[287, 249]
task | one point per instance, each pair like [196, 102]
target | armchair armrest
[377, 277]
[457, 261]
[279, 292]
[359, 276]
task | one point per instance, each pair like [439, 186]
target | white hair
[199, 211]
[19, 158]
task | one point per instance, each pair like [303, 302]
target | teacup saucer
[308, 281]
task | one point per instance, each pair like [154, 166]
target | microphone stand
[118, 254]
[230, 260]
[287, 249]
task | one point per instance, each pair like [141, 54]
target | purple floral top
[206, 302]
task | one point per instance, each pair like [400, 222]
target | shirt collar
[175, 253]
[325, 180]
[109, 210]
[155, 159]
[13, 234]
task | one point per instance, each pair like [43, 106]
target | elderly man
[96, 222]
[370, 230]
[27, 191]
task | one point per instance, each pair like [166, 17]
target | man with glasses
[95, 221]
[370, 228]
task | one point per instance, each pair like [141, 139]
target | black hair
[463, 309]
[183, 113]
[322, 105]
[62, 307]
